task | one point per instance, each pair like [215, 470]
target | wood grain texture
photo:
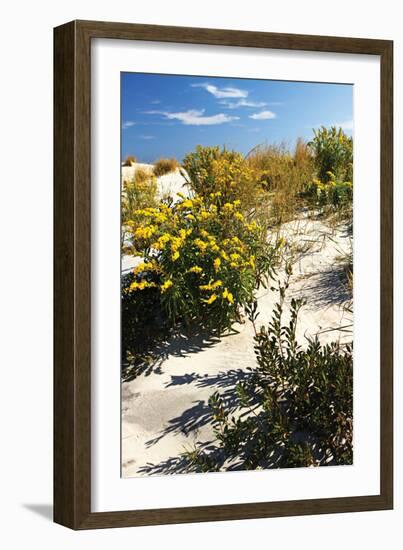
[72, 274]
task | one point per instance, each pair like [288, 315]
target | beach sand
[166, 411]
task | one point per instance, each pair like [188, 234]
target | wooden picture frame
[72, 271]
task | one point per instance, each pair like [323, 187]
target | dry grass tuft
[129, 161]
[283, 174]
[165, 166]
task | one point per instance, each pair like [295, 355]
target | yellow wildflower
[212, 299]
[141, 285]
[201, 245]
[175, 256]
[211, 286]
[217, 263]
[216, 284]
[228, 295]
[145, 232]
[165, 286]
[195, 269]
[177, 243]
[187, 203]
[146, 266]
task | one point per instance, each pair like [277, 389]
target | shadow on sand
[324, 289]
[196, 416]
[181, 344]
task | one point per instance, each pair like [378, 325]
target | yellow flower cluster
[212, 299]
[146, 266]
[145, 232]
[167, 285]
[197, 236]
[195, 269]
[211, 286]
[228, 295]
[217, 263]
[141, 285]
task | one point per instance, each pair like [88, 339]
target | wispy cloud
[195, 117]
[263, 115]
[155, 102]
[221, 93]
[242, 103]
[128, 124]
[146, 137]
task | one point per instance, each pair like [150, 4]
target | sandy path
[167, 410]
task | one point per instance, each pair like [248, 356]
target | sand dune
[165, 411]
[168, 184]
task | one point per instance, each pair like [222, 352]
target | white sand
[168, 184]
[166, 410]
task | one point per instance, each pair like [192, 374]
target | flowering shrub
[204, 257]
[212, 170]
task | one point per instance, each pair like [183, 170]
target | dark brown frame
[72, 319]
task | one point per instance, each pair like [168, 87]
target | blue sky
[168, 115]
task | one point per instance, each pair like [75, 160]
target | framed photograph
[223, 275]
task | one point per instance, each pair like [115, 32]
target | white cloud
[221, 93]
[242, 103]
[195, 117]
[263, 115]
[147, 137]
[128, 124]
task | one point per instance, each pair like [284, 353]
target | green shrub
[144, 327]
[165, 166]
[332, 196]
[294, 409]
[333, 153]
[203, 256]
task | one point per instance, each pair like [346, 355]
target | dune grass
[165, 166]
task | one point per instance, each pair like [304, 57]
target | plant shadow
[180, 344]
[200, 414]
